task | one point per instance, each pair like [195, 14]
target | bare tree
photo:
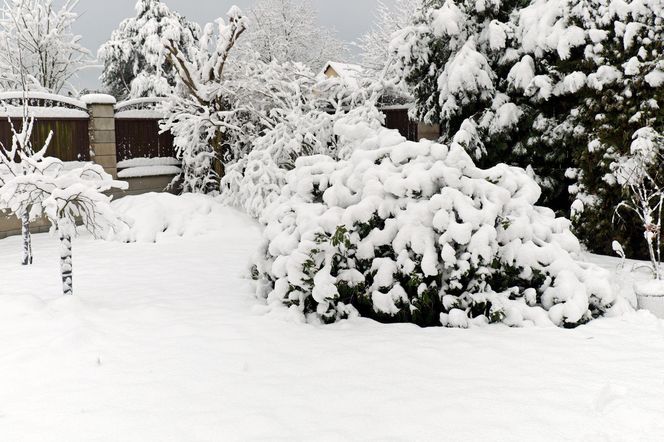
[289, 31]
[37, 44]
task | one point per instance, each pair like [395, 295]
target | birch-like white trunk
[27, 239]
[66, 264]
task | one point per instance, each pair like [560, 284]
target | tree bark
[66, 264]
[27, 239]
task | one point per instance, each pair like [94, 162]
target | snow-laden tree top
[38, 48]
[135, 61]
[289, 31]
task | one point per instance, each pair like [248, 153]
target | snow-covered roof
[346, 71]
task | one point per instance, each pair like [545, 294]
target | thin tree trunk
[66, 264]
[27, 239]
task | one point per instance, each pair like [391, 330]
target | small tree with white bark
[66, 198]
[641, 175]
[13, 164]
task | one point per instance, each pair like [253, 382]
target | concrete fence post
[102, 131]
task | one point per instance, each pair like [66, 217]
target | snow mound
[415, 232]
[154, 216]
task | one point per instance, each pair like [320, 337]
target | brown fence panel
[140, 138]
[398, 119]
[70, 141]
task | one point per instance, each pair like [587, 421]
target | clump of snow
[98, 99]
[405, 231]
[655, 78]
[143, 167]
[10, 111]
[142, 162]
[144, 171]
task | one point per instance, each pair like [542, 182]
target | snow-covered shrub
[302, 124]
[405, 231]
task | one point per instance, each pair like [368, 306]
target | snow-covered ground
[165, 342]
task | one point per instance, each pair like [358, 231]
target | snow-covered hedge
[415, 232]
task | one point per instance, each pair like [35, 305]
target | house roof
[349, 73]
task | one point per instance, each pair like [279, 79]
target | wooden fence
[69, 142]
[140, 138]
[397, 118]
[65, 117]
[137, 131]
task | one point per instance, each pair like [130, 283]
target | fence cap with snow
[140, 108]
[98, 99]
[41, 105]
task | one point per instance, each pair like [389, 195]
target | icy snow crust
[408, 231]
[162, 342]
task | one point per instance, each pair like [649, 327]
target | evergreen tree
[135, 61]
[555, 86]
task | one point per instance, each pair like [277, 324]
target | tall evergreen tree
[557, 86]
[135, 61]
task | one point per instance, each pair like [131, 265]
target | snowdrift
[415, 232]
[154, 216]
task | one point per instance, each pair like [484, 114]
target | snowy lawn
[164, 342]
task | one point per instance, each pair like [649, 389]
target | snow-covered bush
[135, 59]
[38, 46]
[405, 231]
[303, 119]
[65, 197]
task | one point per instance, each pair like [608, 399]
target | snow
[345, 71]
[655, 78]
[140, 167]
[18, 95]
[9, 111]
[98, 99]
[156, 161]
[135, 172]
[139, 101]
[139, 114]
[654, 287]
[164, 341]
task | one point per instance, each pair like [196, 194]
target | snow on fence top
[41, 105]
[98, 99]
[139, 108]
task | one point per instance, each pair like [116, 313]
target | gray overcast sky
[350, 18]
